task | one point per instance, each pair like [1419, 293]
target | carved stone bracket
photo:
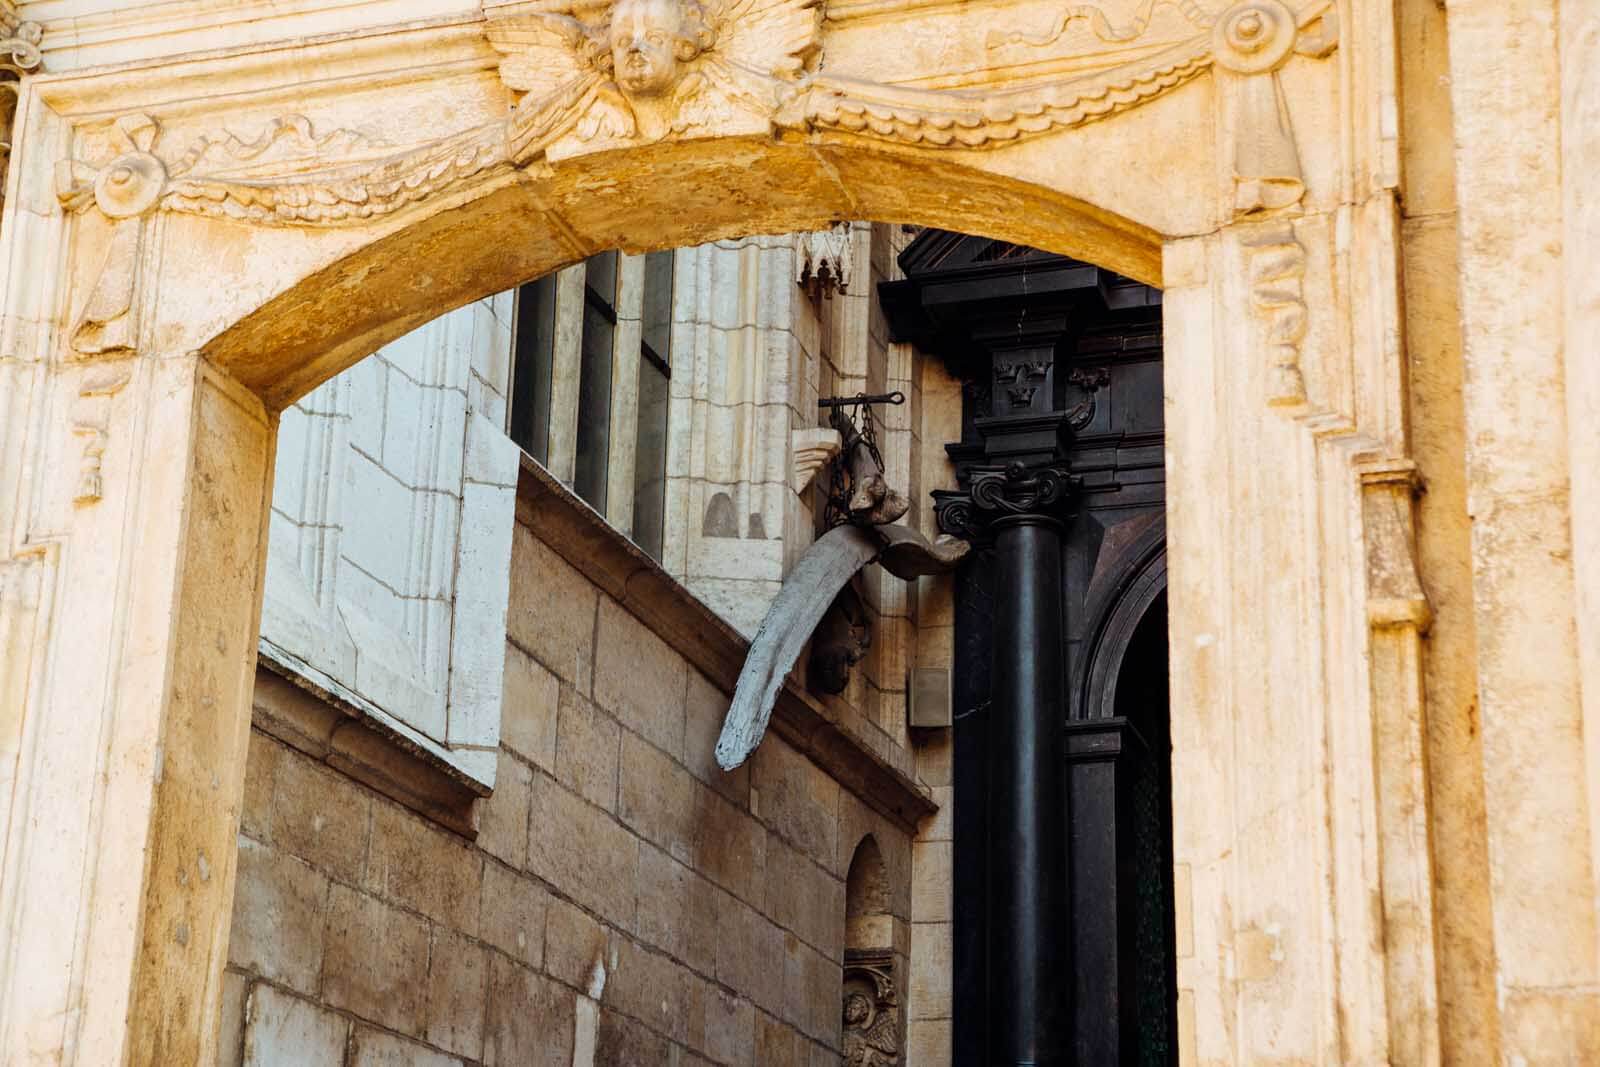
[825, 262]
[871, 1009]
[810, 449]
[1395, 597]
[995, 492]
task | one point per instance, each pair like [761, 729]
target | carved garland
[658, 69]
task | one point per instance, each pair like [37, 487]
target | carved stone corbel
[826, 263]
[810, 449]
[871, 1009]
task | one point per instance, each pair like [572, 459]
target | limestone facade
[623, 902]
[1370, 220]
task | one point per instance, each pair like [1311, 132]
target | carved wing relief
[652, 69]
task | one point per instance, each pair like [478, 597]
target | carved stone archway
[192, 244]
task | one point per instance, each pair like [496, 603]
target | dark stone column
[1030, 973]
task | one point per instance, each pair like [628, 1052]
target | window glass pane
[533, 364]
[658, 305]
[594, 386]
[650, 459]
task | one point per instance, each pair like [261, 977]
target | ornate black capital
[997, 492]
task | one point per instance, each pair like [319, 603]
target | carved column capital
[1000, 492]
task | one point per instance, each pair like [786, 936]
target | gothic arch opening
[874, 1025]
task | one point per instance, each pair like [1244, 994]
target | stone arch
[1118, 607]
[191, 245]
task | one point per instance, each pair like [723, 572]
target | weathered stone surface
[704, 709]
[811, 984]
[503, 817]
[528, 727]
[778, 1044]
[374, 1048]
[370, 961]
[730, 1029]
[639, 678]
[280, 1028]
[588, 745]
[547, 596]
[529, 1018]
[414, 864]
[804, 897]
[230, 1034]
[576, 946]
[797, 799]
[320, 816]
[622, 1042]
[658, 798]
[677, 910]
[458, 975]
[750, 953]
[513, 914]
[278, 907]
[730, 847]
[658, 990]
[578, 849]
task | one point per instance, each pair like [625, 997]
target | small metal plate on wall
[928, 697]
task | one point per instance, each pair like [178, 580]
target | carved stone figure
[651, 39]
[840, 642]
[651, 68]
[871, 1010]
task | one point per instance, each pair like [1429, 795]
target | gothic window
[590, 385]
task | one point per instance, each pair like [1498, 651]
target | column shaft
[1028, 918]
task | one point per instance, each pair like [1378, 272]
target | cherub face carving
[651, 40]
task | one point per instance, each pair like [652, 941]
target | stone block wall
[624, 902]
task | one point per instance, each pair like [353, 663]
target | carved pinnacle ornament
[1000, 492]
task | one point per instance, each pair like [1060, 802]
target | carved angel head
[650, 40]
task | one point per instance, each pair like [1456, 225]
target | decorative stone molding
[824, 261]
[871, 1009]
[658, 69]
[1394, 591]
[91, 421]
[1277, 266]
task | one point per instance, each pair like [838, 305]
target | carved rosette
[995, 493]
